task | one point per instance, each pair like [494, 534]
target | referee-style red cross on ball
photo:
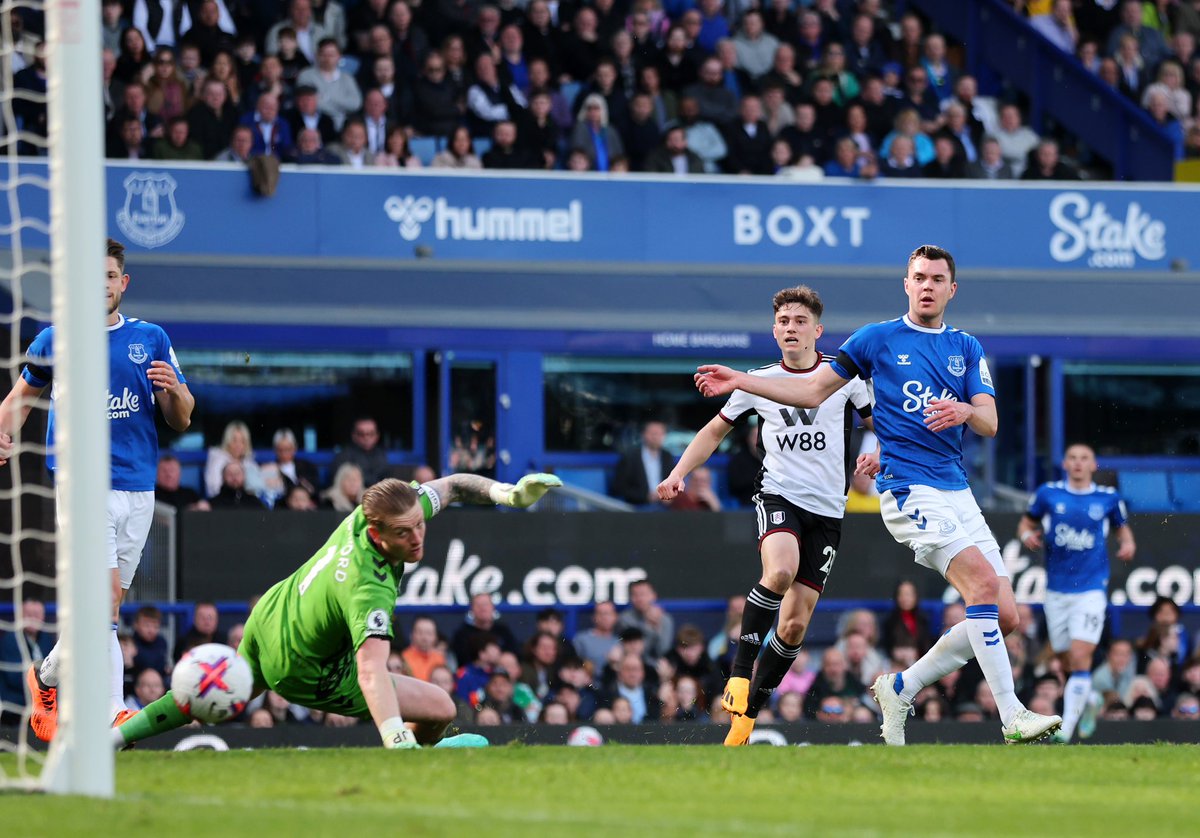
[213, 676]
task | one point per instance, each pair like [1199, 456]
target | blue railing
[1056, 83]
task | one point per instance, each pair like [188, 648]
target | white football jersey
[806, 456]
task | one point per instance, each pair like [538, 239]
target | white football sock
[48, 671]
[952, 652]
[116, 678]
[983, 627]
[1075, 698]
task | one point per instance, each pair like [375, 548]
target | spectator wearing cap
[307, 114]
[482, 619]
[337, 92]
[595, 644]
[498, 695]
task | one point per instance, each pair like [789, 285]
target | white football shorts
[938, 524]
[1075, 617]
[130, 515]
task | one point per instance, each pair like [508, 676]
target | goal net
[54, 584]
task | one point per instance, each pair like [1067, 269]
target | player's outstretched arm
[807, 392]
[472, 488]
[702, 446]
[380, 693]
[14, 410]
[1030, 532]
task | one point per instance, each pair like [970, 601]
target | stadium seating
[424, 148]
[593, 479]
[1185, 490]
[1146, 491]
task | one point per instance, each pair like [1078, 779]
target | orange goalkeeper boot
[44, 718]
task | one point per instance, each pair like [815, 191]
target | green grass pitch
[615, 790]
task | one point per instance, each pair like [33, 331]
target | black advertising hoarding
[576, 558]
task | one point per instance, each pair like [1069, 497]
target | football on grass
[211, 683]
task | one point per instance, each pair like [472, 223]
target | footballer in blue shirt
[1072, 519]
[929, 380]
[143, 372]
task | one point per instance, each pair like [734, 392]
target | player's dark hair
[386, 498]
[932, 252]
[117, 251]
[800, 295]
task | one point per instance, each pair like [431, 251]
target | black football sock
[777, 659]
[758, 618]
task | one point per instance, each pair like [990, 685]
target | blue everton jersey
[132, 345]
[910, 366]
[1076, 524]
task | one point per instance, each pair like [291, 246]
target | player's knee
[444, 710]
[777, 580]
[984, 589]
[791, 631]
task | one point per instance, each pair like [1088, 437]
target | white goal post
[81, 756]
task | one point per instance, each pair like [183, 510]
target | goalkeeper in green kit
[321, 637]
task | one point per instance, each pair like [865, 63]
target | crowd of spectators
[234, 479]
[633, 666]
[808, 87]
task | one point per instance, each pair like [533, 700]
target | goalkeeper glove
[396, 735]
[527, 492]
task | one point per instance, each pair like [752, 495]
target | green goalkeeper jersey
[302, 636]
